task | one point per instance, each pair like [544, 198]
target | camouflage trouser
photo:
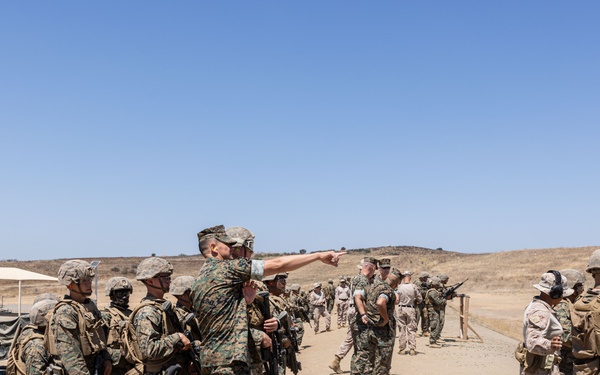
[382, 343]
[584, 367]
[442, 318]
[424, 317]
[407, 327]
[434, 325]
[342, 310]
[330, 303]
[236, 368]
[553, 371]
[317, 313]
[363, 357]
[299, 330]
[257, 369]
[345, 345]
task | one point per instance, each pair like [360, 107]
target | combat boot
[335, 365]
[434, 345]
[412, 352]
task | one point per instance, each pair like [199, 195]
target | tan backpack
[15, 364]
[585, 317]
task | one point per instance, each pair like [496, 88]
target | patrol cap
[443, 277]
[153, 267]
[316, 285]
[74, 271]
[242, 237]
[117, 283]
[39, 310]
[371, 260]
[423, 275]
[45, 296]
[385, 263]
[295, 287]
[283, 275]
[181, 285]
[548, 280]
[573, 276]
[396, 272]
[217, 232]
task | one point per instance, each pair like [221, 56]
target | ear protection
[557, 290]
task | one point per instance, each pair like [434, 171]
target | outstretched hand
[331, 257]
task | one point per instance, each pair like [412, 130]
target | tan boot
[412, 352]
[335, 365]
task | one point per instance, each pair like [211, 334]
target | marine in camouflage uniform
[443, 281]
[118, 289]
[28, 351]
[218, 298]
[422, 310]
[362, 360]
[435, 300]
[381, 303]
[342, 299]
[329, 291]
[318, 301]
[575, 281]
[542, 332]
[297, 311]
[181, 288]
[75, 351]
[159, 342]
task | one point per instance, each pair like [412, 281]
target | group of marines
[218, 326]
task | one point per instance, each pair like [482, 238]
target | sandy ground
[493, 356]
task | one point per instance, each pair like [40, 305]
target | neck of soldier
[77, 296]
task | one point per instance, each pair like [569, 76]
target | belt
[344, 299]
[411, 306]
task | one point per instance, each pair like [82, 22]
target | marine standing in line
[408, 299]
[361, 362]
[422, 309]
[575, 281]
[118, 289]
[435, 300]
[76, 338]
[329, 291]
[297, 311]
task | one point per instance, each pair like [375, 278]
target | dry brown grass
[499, 283]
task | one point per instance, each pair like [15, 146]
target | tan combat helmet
[181, 285]
[153, 267]
[242, 237]
[74, 271]
[39, 310]
[573, 276]
[435, 282]
[117, 283]
[594, 262]
[45, 296]
[443, 277]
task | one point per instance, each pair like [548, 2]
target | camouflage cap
[275, 276]
[548, 280]
[316, 285]
[75, 270]
[45, 296]
[39, 310]
[385, 263]
[423, 275]
[242, 237]
[117, 283]
[396, 272]
[407, 273]
[371, 260]
[443, 277]
[217, 232]
[181, 285]
[573, 276]
[153, 267]
[295, 287]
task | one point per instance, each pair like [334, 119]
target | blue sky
[127, 127]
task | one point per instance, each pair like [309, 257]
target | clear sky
[127, 127]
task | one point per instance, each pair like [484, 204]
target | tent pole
[19, 298]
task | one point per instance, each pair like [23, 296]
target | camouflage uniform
[381, 339]
[362, 362]
[435, 301]
[422, 309]
[72, 348]
[329, 291]
[221, 312]
[28, 349]
[318, 301]
[539, 326]
[409, 298]
[297, 308]
[342, 299]
[114, 317]
[563, 314]
[256, 321]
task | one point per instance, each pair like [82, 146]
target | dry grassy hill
[499, 283]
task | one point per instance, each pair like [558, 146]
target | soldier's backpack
[585, 334]
[15, 364]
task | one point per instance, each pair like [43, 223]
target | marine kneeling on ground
[28, 354]
[153, 341]
[75, 336]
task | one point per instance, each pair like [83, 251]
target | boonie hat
[548, 280]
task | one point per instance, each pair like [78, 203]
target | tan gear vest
[115, 327]
[15, 364]
[131, 347]
[585, 317]
[90, 328]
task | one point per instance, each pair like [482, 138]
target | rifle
[450, 291]
[302, 315]
[192, 355]
[292, 333]
[270, 356]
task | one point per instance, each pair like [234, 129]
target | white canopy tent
[11, 273]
